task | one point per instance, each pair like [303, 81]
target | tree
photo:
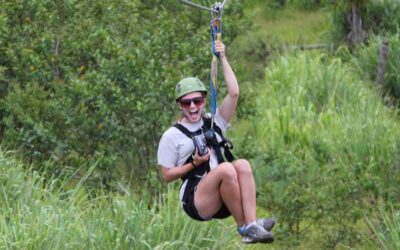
[348, 21]
[91, 83]
[357, 33]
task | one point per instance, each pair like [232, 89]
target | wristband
[194, 165]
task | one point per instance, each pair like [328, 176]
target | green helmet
[189, 85]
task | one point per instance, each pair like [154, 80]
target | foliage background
[88, 82]
[86, 92]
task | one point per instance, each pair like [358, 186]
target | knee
[228, 170]
[243, 167]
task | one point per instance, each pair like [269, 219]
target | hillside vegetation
[86, 90]
[44, 214]
[324, 147]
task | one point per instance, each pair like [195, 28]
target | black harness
[197, 173]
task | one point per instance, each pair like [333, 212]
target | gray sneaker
[256, 233]
[266, 223]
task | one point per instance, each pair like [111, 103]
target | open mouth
[193, 114]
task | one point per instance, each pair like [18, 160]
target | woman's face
[192, 105]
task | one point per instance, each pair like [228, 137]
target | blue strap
[214, 31]
[213, 98]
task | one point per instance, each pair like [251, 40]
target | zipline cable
[197, 5]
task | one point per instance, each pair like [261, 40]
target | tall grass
[324, 148]
[385, 229]
[35, 214]
[366, 61]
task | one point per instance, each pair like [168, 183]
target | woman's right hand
[198, 160]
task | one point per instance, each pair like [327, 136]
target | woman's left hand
[220, 48]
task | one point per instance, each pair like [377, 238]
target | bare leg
[247, 189]
[219, 186]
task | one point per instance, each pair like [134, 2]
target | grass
[327, 146]
[316, 130]
[385, 229]
[274, 31]
[289, 25]
[44, 215]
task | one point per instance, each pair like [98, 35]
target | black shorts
[191, 210]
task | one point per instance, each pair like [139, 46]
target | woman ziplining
[193, 149]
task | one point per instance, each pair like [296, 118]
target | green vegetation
[354, 20]
[328, 150]
[366, 62]
[289, 26]
[386, 229]
[42, 214]
[86, 91]
[85, 83]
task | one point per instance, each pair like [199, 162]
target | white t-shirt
[175, 147]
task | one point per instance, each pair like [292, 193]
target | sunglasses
[198, 101]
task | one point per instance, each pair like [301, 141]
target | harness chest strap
[216, 145]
